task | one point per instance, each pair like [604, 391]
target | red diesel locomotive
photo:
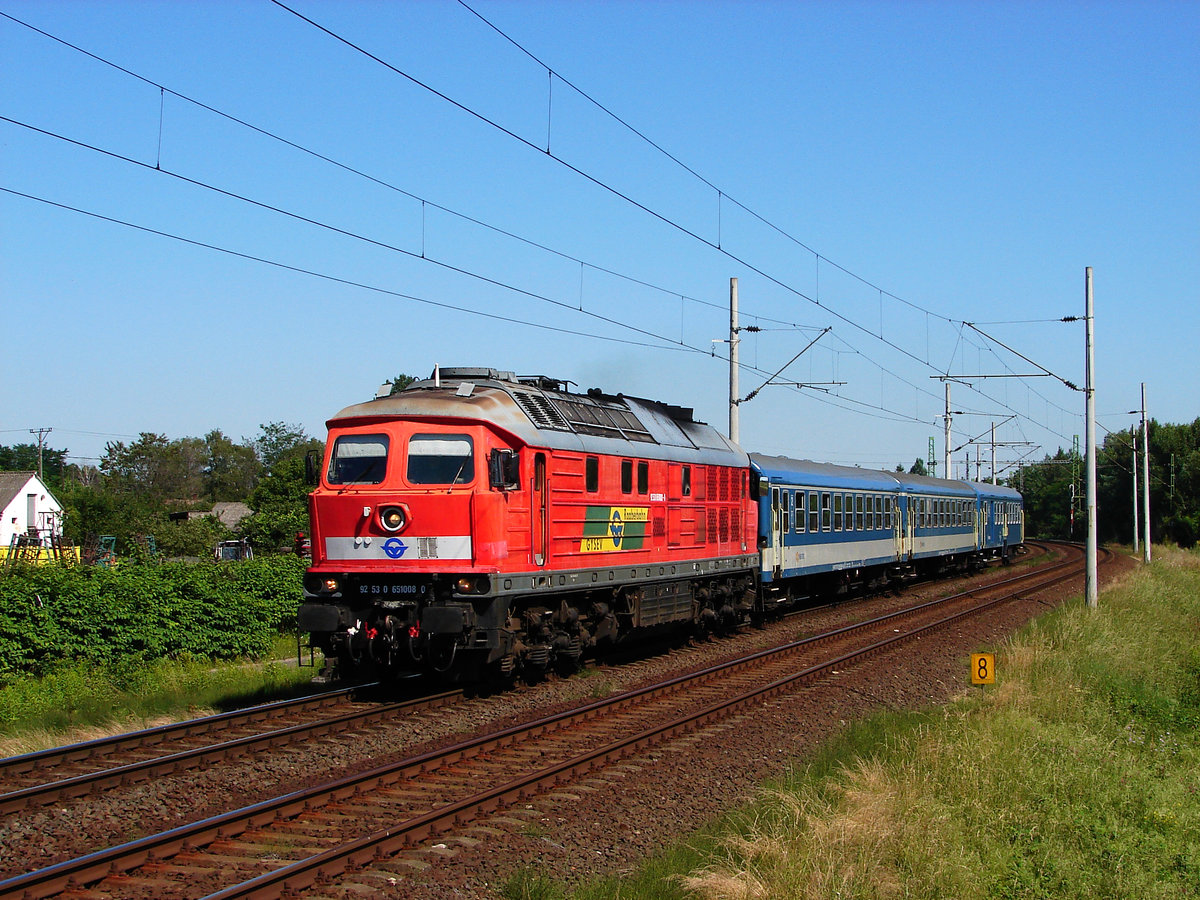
[480, 523]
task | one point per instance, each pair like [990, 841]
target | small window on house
[627, 476]
[592, 474]
[643, 477]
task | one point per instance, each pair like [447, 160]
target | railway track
[76, 770]
[85, 769]
[293, 841]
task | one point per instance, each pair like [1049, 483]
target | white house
[27, 504]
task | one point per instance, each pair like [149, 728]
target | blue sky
[889, 170]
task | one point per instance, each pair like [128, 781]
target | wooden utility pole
[41, 436]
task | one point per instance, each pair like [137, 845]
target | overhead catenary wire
[818, 257]
[638, 204]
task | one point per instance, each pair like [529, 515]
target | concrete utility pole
[949, 471]
[1091, 582]
[1145, 475]
[733, 361]
[993, 453]
[1135, 497]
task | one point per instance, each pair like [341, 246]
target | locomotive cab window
[627, 476]
[441, 459]
[686, 481]
[643, 477]
[591, 474]
[358, 459]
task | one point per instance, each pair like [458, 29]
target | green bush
[52, 616]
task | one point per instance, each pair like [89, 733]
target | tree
[400, 382]
[277, 440]
[24, 458]
[918, 468]
[280, 500]
[1047, 495]
[162, 471]
[231, 470]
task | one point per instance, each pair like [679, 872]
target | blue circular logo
[394, 547]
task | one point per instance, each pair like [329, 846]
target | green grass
[1076, 776]
[77, 702]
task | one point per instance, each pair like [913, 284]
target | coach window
[441, 459]
[686, 476]
[814, 512]
[826, 514]
[643, 477]
[592, 474]
[858, 512]
[801, 511]
[875, 522]
[627, 476]
[837, 512]
[887, 512]
[789, 510]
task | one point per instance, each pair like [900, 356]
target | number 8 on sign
[983, 668]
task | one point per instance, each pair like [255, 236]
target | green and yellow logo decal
[610, 528]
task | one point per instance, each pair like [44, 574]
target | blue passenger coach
[822, 524]
[1002, 520]
[824, 528]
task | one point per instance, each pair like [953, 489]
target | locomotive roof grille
[583, 415]
[539, 408]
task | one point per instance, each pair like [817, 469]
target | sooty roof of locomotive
[543, 412]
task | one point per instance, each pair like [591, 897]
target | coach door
[777, 514]
[539, 516]
[907, 505]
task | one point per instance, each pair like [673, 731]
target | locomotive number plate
[392, 589]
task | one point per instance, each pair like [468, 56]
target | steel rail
[69, 753]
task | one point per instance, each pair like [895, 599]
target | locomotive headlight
[330, 585]
[469, 584]
[392, 518]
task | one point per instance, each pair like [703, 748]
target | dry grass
[1077, 775]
